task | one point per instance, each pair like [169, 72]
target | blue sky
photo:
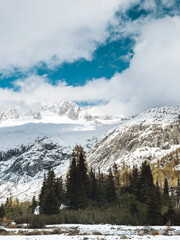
[109, 58]
[68, 47]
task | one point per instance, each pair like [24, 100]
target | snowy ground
[62, 237]
[92, 232]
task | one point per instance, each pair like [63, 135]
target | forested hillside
[122, 196]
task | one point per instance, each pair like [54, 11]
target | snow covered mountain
[63, 112]
[149, 136]
[36, 137]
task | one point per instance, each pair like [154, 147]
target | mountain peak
[62, 112]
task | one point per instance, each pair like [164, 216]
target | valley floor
[93, 232]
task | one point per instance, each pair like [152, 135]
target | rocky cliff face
[148, 136]
[25, 163]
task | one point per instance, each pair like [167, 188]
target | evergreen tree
[50, 178]
[101, 197]
[51, 202]
[78, 185]
[110, 188]
[59, 190]
[94, 194]
[2, 211]
[154, 216]
[134, 182]
[48, 201]
[166, 189]
[72, 185]
[170, 216]
[42, 196]
[146, 185]
[84, 184]
[116, 179]
[158, 195]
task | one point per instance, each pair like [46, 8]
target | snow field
[88, 237]
[98, 232]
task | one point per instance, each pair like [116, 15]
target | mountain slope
[149, 136]
[27, 150]
[28, 146]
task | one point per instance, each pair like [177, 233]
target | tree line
[85, 189]
[81, 188]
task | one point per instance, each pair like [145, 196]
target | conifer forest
[87, 196]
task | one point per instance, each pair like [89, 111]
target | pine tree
[2, 211]
[158, 195]
[84, 184]
[170, 216]
[166, 189]
[59, 190]
[50, 178]
[42, 196]
[116, 179]
[154, 216]
[51, 202]
[101, 197]
[72, 185]
[94, 193]
[134, 182]
[146, 185]
[110, 188]
[48, 201]
[77, 180]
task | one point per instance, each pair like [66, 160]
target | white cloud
[168, 3]
[154, 70]
[53, 31]
[148, 5]
[36, 89]
[152, 78]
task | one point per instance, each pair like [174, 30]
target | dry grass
[3, 233]
[36, 232]
[124, 237]
[154, 232]
[96, 233]
[73, 231]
